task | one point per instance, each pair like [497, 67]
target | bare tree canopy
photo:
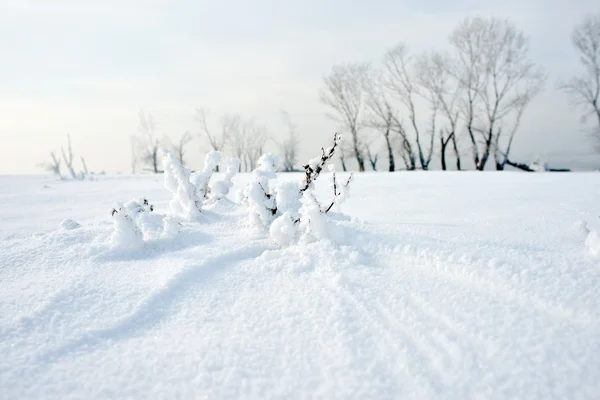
[497, 82]
[344, 93]
[381, 115]
[584, 90]
[52, 166]
[216, 140]
[180, 146]
[148, 142]
[400, 78]
[441, 90]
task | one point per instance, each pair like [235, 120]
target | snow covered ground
[444, 286]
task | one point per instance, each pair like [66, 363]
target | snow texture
[441, 286]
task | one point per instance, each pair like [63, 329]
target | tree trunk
[361, 163]
[155, 162]
[392, 167]
[443, 146]
[456, 152]
[343, 161]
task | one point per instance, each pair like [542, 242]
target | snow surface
[441, 286]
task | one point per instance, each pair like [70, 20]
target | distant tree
[584, 90]
[289, 145]
[148, 141]
[497, 82]
[179, 147]
[401, 80]
[53, 165]
[134, 153]
[84, 165]
[217, 140]
[68, 157]
[237, 136]
[441, 91]
[344, 93]
[343, 159]
[256, 137]
[381, 115]
[373, 157]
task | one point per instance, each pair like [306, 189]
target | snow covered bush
[257, 195]
[201, 179]
[290, 210]
[177, 181]
[220, 189]
[191, 190]
[128, 221]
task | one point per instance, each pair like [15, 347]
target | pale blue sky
[87, 67]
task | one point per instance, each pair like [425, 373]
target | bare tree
[373, 158]
[179, 147]
[497, 82]
[381, 116]
[256, 138]
[134, 153]
[401, 80]
[217, 140]
[344, 93]
[85, 168]
[52, 166]
[441, 91]
[149, 143]
[68, 157]
[343, 159]
[584, 90]
[289, 146]
[237, 137]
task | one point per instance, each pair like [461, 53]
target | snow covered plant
[191, 190]
[258, 195]
[128, 220]
[290, 210]
[220, 189]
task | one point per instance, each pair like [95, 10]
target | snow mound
[592, 242]
[68, 224]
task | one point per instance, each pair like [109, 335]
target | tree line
[478, 91]
[462, 105]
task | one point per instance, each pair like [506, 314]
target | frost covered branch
[316, 165]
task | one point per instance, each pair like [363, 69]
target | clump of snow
[592, 242]
[201, 180]
[284, 230]
[129, 221]
[580, 228]
[69, 224]
[539, 166]
[126, 235]
[190, 190]
[220, 189]
[177, 181]
[171, 227]
[287, 197]
[258, 195]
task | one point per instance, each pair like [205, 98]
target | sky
[86, 68]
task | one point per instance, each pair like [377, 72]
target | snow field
[441, 285]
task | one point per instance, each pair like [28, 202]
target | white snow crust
[432, 286]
